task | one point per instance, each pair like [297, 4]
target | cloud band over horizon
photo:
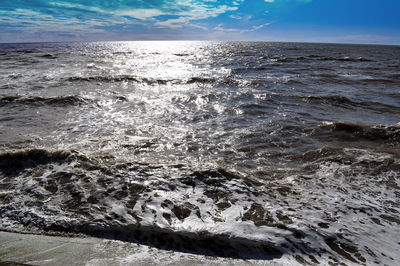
[54, 20]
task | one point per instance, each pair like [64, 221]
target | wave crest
[61, 101]
[370, 132]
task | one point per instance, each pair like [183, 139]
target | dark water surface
[241, 149]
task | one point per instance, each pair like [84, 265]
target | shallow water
[248, 150]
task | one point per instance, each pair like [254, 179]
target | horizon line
[191, 40]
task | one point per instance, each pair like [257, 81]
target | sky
[336, 21]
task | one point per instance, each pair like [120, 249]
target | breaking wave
[212, 212]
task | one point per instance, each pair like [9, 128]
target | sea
[253, 151]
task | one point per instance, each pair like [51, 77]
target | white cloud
[253, 28]
[65, 17]
[181, 12]
[142, 14]
[192, 12]
[240, 17]
[77, 6]
[237, 2]
[32, 21]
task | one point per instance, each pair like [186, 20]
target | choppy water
[250, 150]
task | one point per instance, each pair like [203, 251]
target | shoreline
[31, 249]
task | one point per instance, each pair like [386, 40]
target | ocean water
[262, 151]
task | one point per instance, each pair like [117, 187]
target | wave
[149, 81]
[345, 59]
[330, 100]
[333, 100]
[47, 56]
[8, 87]
[74, 213]
[229, 80]
[12, 163]
[182, 54]
[69, 193]
[246, 69]
[351, 131]
[38, 101]
[319, 58]
[106, 78]
[333, 58]
[155, 81]
[345, 102]
[204, 242]
[377, 80]
[394, 76]
[214, 212]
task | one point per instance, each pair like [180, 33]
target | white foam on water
[341, 211]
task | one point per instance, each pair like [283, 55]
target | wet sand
[29, 249]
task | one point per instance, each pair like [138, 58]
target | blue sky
[349, 21]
